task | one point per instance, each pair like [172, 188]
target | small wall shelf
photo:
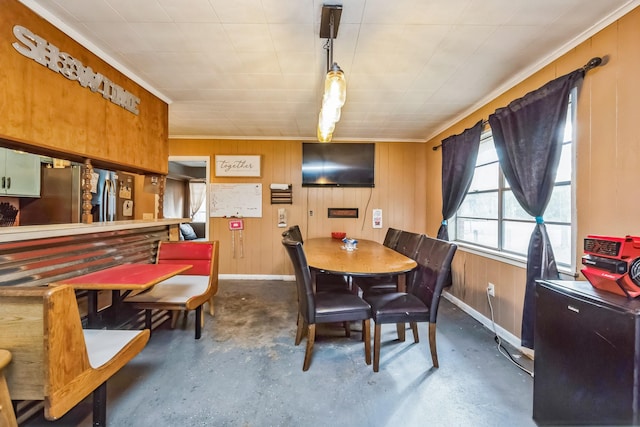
[281, 197]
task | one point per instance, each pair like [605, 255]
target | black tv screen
[338, 165]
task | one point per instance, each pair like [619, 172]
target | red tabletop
[125, 277]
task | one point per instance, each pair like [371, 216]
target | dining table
[369, 258]
[123, 277]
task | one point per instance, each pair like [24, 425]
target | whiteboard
[243, 200]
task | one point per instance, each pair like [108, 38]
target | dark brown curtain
[459, 155]
[528, 137]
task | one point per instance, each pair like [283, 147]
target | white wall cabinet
[19, 173]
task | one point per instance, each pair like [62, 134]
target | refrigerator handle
[8, 182]
[4, 180]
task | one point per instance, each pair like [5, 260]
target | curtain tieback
[444, 222]
[539, 220]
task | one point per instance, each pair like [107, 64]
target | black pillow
[187, 232]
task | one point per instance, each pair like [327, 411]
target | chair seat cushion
[340, 307]
[176, 290]
[397, 307]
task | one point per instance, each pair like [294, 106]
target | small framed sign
[238, 165]
[342, 212]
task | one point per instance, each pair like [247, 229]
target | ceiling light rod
[329, 23]
[334, 85]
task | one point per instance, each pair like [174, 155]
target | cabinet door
[22, 174]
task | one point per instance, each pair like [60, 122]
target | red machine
[613, 264]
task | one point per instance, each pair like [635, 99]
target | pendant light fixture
[335, 85]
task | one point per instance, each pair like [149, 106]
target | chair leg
[174, 318]
[202, 317]
[212, 308]
[300, 329]
[347, 329]
[432, 344]
[400, 327]
[376, 347]
[366, 336]
[414, 328]
[311, 337]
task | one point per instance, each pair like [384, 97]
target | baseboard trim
[486, 322]
[289, 278]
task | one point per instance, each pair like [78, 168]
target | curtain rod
[593, 63]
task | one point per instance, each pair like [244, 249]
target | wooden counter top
[29, 232]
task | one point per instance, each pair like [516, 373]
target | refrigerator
[112, 196]
[587, 356]
[60, 200]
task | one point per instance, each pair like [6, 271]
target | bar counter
[30, 232]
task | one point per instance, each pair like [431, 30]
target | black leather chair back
[408, 243]
[306, 297]
[391, 238]
[293, 233]
[433, 273]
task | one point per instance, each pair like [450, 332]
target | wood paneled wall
[607, 159]
[47, 113]
[399, 191]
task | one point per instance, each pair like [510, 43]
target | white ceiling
[253, 69]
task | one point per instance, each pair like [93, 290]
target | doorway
[196, 169]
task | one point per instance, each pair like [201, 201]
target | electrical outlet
[491, 289]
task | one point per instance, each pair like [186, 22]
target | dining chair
[391, 238]
[323, 307]
[186, 291]
[324, 281]
[420, 302]
[293, 233]
[407, 244]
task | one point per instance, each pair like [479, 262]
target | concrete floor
[246, 371]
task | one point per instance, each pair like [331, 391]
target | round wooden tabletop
[5, 358]
[369, 259]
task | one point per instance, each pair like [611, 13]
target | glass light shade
[323, 135]
[326, 121]
[326, 126]
[330, 114]
[335, 87]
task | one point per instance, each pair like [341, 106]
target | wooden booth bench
[53, 358]
[186, 291]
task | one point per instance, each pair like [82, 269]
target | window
[491, 217]
[198, 198]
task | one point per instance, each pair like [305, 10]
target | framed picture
[238, 165]
[342, 212]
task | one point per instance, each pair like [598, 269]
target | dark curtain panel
[528, 137]
[459, 155]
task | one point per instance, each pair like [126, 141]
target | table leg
[92, 309]
[402, 282]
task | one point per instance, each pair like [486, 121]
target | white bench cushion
[102, 345]
[174, 290]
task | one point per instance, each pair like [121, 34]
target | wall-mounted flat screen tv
[338, 164]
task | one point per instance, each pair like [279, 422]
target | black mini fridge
[587, 355]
